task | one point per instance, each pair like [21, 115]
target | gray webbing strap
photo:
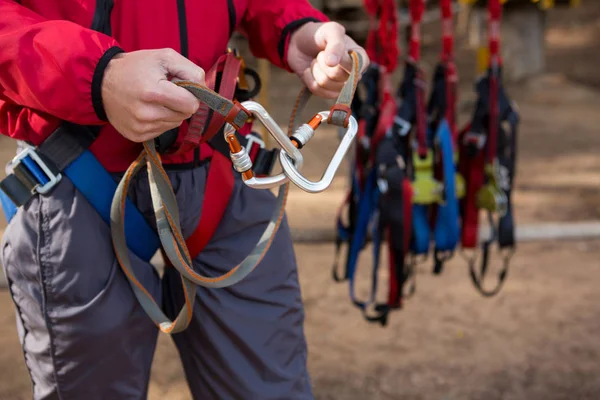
[117, 221]
[217, 103]
[169, 230]
[339, 116]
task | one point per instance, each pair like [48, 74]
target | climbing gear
[65, 153]
[378, 186]
[174, 246]
[488, 163]
[442, 114]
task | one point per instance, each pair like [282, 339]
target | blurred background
[537, 339]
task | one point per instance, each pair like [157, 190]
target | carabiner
[301, 136]
[241, 158]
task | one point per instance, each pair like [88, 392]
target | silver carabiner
[241, 158]
[301, 136]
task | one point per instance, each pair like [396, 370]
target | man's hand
[318, 54]
[139, 100]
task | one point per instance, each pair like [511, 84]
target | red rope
[494, 15]
[450, 67]
[382, 40]
[417, 8]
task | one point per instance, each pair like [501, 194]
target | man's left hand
[318, 54]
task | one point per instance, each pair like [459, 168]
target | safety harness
[377, 206]
[441, 111]
[488, 163]
[221, 131]
[416, 181]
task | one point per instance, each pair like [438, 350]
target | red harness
[220, 180]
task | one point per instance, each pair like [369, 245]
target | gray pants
[84, 335]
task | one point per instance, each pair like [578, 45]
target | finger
[315, 88]
[336, 73]
[351, 45]
[323, 80]
[331, 35]
[146, 113]
[180, 67]
[142, 132]
[169, 95]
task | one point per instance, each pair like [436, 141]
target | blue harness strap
[447, 230]
[98, 187]
[366, 207]
[421, 239]
[7, 206]
[31, 177]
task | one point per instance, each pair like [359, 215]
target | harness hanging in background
[488, 163]
[378, 206]
[442, 116]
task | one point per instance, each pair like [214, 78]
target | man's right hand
[138, 98]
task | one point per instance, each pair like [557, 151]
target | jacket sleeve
[51, 66]
[26, 124]
[268, 25]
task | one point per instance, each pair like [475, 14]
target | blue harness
[89, 177]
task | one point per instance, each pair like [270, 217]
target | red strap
[394, 297]
[472, 170]
[387, 111]
[382, 41]
[447, 30]
[219, 187]
[198, 132]
[417, 8]
[451, 72]
[226, 89]
[495, 14]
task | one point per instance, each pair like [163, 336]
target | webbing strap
[341, 111]
[447, 229]
[367, 205]
[171, 237]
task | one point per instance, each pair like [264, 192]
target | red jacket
[49, 56]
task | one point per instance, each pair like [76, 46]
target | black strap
[61, 148]
[101, 21]
[503, 232]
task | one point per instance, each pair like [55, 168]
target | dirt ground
[538, 339]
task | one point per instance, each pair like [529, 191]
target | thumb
[180, 67]
[331, 36]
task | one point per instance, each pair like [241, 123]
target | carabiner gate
[301, 136]
[241, 158]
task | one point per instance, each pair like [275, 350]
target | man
[83, 333]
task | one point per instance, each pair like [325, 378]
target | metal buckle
[403, 125]
[477, 138]
[241, 159]
[30, 152]
[302, 134]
